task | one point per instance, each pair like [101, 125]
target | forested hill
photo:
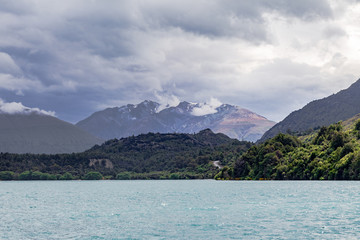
[323, 112]
[151, 155]
[331, 153]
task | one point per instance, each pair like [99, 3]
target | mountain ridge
[40, 133]
[321, 112]
[329, 153]
[186, 117]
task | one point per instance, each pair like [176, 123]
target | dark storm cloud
[106, 37]
[230, 18]
[34, 64]
[101, 53]
[16, 7]
[306, 9]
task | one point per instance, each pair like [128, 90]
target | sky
[70, 58]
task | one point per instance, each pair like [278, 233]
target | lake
[180, 209]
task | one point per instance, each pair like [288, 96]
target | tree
[36, 175]
[93, 176]
[174, 176]
[123, 176]
[25, 175]
[67, 176]
[6, 175]
[337, 141]
[357, 125]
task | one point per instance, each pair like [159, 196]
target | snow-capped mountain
[186, 117]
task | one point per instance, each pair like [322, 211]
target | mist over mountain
[337, 107]
[186, 117]
[36, 132]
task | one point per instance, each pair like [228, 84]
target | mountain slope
[39, 133]
[187, 117]
[151, 155]
[330, 153]
[323, 112]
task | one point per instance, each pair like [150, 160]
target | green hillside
[147, 156]
[331, 153]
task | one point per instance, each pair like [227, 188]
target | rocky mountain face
[39, 133]
[323, 112]
[186, 117]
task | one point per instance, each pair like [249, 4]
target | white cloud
[18, 84]
[206, 108]
[7, 64]
[18, 108]
[166, 100]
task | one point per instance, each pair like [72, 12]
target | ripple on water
[179, 210]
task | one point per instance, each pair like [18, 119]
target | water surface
[178, 209]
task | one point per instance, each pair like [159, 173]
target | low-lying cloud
[166, 100]
[206, 108]
[18, 108]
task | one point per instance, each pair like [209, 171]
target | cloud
[77, 56]
[18, 84]
[307, 10]
[206, 108]
[166, 100]
[284, 85]
[229, 18]
[334, 31]
[7, 65]
[18, 108]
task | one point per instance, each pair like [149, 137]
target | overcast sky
[272, 57]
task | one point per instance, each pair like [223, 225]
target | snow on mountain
[186, 117]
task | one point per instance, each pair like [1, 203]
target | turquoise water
[195, 209]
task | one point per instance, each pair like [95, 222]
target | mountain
[151, 155]
[329, 153]
[186, 117]
[41, 133]
[323, 112]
